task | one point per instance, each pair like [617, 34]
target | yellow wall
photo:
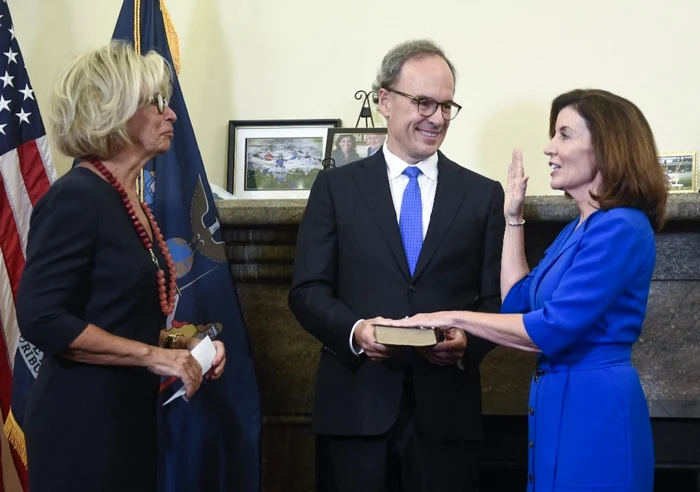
[275, 59]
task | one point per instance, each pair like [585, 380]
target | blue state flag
[211, 443]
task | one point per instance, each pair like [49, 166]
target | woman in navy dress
[583, 306]
[99, 282]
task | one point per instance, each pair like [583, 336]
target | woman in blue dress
[583, 306]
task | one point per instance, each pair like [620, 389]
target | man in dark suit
[401, 232]
[375, 142]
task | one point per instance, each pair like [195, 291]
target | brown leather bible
[414, 336]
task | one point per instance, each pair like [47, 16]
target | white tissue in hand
[203, 353]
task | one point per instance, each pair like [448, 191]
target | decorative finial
[366, 111]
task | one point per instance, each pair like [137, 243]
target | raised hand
[515, 188]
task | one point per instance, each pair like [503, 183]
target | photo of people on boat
[282, 163]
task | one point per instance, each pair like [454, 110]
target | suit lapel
[372, 180]
[450, 192]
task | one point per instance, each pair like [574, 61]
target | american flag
[26, 172]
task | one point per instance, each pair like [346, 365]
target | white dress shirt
[427, 182]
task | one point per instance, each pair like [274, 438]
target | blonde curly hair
[98, 92]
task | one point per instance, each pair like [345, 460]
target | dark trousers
[402, 460]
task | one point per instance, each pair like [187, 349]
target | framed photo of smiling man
[346, 145]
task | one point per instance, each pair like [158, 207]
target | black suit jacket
[350, 264]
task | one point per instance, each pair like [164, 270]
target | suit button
[531, 410]
[531, 444]
[530, 478]
[413, 287]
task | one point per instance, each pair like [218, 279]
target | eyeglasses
[427, 107]
[160, 102]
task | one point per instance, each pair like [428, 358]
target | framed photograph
[346, 145]
[681, 172]
[270, 159]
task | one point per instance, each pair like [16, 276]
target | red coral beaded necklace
[167, 300]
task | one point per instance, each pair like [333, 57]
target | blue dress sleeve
[613, 250]
[518, 298]
[60, 245]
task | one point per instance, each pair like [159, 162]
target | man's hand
[364, 339]
[448, 352]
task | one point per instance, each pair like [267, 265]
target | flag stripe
[8, 315]
[42, 143]
[12, 265]
[35, 179]
[10, 243]
[5, 367]
[17, 196]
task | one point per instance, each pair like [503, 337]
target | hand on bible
[448, 352]
[364, 338]
[445, 353]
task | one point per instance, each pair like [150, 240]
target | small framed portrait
[346, 145]
[271, 159]
[681, 172]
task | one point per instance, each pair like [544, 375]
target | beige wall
[274, 59]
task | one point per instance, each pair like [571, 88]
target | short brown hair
[625, 151]
[396, 58]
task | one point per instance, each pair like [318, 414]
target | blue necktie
[411, 218]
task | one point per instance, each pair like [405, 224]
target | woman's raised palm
[516, 187]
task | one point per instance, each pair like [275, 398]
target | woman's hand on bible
[441, 320]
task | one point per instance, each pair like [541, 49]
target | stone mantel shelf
[681, 207]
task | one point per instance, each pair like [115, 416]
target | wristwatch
[170, 340]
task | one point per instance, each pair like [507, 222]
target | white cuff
[352, 339]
